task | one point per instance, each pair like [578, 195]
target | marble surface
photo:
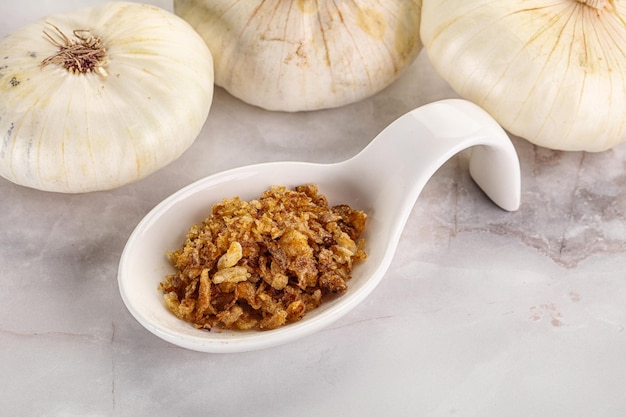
[483, 312]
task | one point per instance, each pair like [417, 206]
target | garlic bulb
[296, 55]
[100, 97]
[551, 72]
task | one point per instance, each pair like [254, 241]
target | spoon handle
[410, 150]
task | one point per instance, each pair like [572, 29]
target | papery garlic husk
[550, 72]
[297, 55]
[116, 115]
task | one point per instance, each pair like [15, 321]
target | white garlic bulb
[100, 97]
[550, 72]
[296, 55]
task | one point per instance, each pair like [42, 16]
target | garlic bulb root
[548, 72]
[298, 55]
[82, 54]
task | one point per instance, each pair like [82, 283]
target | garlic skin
[138, 109]
[299, 55]
[550, 72]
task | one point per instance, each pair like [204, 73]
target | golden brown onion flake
[263, 263]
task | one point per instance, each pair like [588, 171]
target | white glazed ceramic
[384, 180]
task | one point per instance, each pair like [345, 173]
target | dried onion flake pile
[264, 263]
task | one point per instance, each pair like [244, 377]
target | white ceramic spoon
[384, 180]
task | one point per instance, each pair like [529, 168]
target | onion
[100, 97]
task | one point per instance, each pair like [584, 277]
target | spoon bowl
[384, 180]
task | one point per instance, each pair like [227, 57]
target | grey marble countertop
[483, 312]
